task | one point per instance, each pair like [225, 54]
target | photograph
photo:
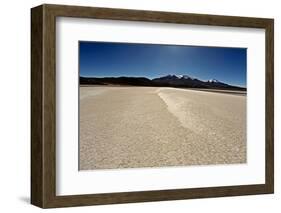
[136, 105]
[161, 105]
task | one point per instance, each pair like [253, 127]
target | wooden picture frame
[43, 105]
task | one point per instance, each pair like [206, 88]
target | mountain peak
[178, 76]
[171, 76]
[213, 81]
[187, 77]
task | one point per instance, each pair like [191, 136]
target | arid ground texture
[136, 127]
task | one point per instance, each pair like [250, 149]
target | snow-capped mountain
[178, 80]
[187, 77]
[187, 81]
[213, 81]
[217, 83]
[177, 77]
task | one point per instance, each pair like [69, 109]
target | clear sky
[107, 59]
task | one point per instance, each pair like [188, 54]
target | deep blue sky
[106, 59]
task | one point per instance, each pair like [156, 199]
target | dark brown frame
[43, 105]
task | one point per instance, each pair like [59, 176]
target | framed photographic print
[136, 106]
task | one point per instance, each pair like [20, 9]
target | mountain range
[183, 81]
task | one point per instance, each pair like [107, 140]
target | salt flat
[132, 127]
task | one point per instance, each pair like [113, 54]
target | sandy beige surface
[131, 127]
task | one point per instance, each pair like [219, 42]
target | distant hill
[133, 81]
[183, 81]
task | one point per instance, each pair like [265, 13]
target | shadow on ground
[25, 200]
